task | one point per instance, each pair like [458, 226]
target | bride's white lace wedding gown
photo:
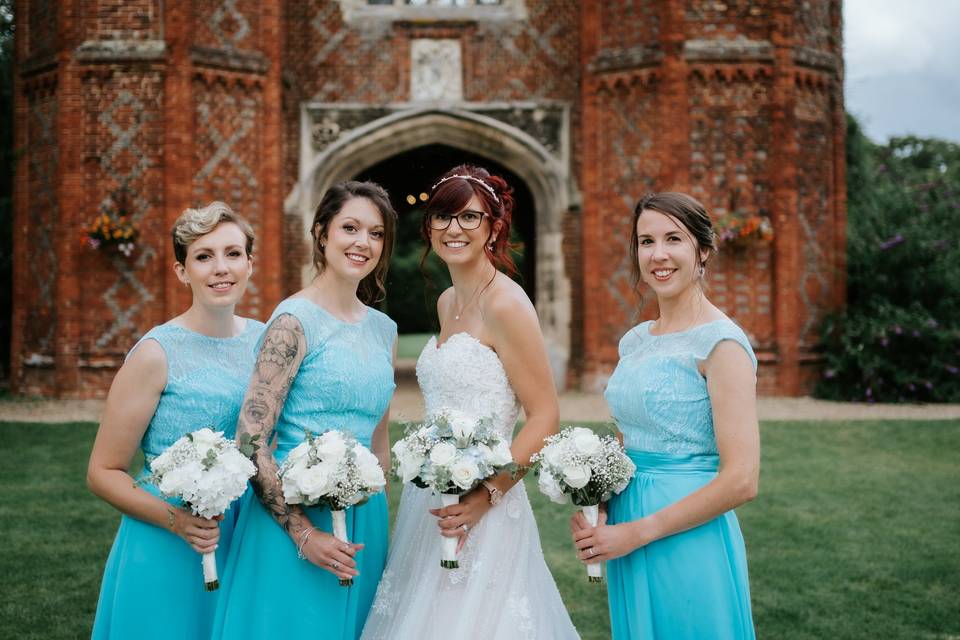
[503, 588]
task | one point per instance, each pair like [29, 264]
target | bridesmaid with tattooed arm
[324, 362]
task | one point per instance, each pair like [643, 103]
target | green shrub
[898, 339]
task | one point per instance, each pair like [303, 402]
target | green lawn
[855, 534]
[409, 345]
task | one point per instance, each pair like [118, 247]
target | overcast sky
[903, 66]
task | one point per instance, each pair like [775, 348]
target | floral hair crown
[472, 179]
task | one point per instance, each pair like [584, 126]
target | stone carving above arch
[340, 141]
[547, 122]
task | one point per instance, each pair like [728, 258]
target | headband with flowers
[471, 178]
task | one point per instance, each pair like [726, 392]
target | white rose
[315, 481]
[501, 454]
[331, 447]
[204, 439]
[462, 425]
[443, 454]
[553, 454]
[551, 488]
[586, 441]
[370, 472]
[465, 473]
[299, 451]
[410, 464]
[576, 476]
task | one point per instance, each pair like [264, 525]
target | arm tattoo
[281, 353]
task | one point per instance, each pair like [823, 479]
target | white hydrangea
[204, 470]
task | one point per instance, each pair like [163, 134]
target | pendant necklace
[477, 289]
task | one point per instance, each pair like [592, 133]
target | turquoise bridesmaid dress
[345, 382]
[693, 584]
[153, 581]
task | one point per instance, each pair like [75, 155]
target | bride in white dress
[489, 353]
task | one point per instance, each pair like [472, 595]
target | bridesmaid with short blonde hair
[183, 375]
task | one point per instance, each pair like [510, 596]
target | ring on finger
[592, 552]
[465, 527]
[335, 564]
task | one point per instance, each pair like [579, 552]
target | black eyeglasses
[468, 220]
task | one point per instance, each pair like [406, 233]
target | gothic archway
[546, 177]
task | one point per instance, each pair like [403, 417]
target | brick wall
[164, 105]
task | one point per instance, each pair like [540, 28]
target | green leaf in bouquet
[517, 470]
[210, 459]
[249, 444]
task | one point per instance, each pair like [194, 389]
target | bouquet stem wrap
[595, 570]
[448, 556]
[210, 579]
[339, 517]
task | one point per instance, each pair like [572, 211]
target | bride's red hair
[451, 194]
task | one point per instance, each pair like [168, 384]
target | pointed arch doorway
[458, 133]
[408, 177]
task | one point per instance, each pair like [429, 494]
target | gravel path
[407, 405]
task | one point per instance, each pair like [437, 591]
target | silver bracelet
[304, 536]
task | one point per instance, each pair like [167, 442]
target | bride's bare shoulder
[507, 304]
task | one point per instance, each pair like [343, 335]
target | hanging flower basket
[739, 230]
[111, 230]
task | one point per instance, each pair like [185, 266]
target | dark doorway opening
[411, 301]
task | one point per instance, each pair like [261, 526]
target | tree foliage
[899, 337]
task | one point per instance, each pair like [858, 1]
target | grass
[409, 345]
[855, 534]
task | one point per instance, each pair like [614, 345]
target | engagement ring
[465, 528]
[335, 564]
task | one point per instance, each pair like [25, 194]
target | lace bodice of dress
[657, 394]
[465, 374]
[206, 378]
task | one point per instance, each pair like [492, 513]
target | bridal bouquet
[207, 472]
[578, 465]
[334, 470]
[450, 453]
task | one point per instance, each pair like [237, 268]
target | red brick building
[153, 106]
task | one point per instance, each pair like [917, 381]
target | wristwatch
[495, 494]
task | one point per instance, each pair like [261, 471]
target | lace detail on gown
[503, 588]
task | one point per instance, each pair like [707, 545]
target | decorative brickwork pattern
[630, 168]
[228, 125]
[815, 212]
[41, 303]
[527, 59]
[627, 25]
[228, 24]
[729, 169]
[815, 24]
[42, 24]
[729, 19]
[123, 20]
[122, 151]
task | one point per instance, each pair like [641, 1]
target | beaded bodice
[465, 374]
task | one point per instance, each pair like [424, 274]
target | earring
[702, 270]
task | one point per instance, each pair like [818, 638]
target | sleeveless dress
[503, 588]
[345, 382]
[153, 581]
[691, 584]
